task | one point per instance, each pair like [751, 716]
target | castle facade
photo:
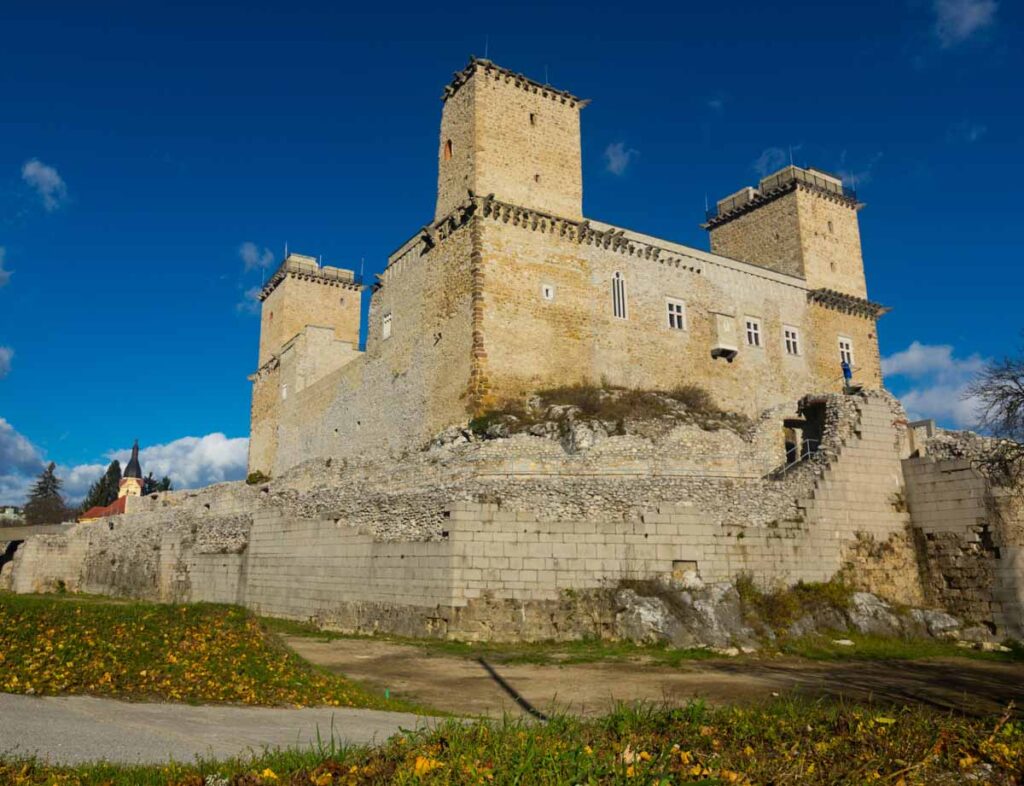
[510, 289]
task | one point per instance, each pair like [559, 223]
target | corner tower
[802, 222]
[504, 134]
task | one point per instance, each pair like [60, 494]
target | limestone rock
[871, 614]
[644, 620]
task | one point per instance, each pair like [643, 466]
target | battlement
[775, 185]
[493, 71]
[306, 268]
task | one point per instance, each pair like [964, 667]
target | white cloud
[716, 104]
[6, 354]
[250, 303]
[47, 182]
[771, 160]
[617, 157]
[853, 176]
[254, 257]
[5, 275]
[20, 463]
[190, 462]
[935, 382]
[958, 20]
[966, 131]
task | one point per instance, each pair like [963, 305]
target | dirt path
[466, 687]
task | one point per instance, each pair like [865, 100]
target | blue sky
[143, 145]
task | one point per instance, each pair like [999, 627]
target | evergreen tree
[45, 504]
[104, 491]
[151, 485]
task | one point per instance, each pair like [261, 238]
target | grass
[541, 653]
[781, 742]
[554, 653]
[196, 653]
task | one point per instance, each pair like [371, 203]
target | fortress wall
[970, 537]
[405, 388]
[575, 336]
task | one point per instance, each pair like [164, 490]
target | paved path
[72, 729]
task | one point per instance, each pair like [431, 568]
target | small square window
[791, 337]
[753, 332]
[676, 314]
[385, 326]
[547, 291]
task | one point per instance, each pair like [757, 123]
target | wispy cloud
[934, 382]
[5, 275]
[957, 21]
[250, 302]
[618, 157]
[770, 160]
[254, 257]
[190, 462]
[46, 182]
[966, 131]
[717, 103]
[6, 355]
[854, 175]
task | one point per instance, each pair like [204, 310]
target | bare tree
[999, 391]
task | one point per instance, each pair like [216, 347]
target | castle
[510, 290]
[371, 508]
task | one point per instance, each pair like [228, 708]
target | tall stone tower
[797, 221]
[302, 293]
[131, 479]
[507, 135]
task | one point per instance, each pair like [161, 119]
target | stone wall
[522, 537]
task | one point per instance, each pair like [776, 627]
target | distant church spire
[134, 469]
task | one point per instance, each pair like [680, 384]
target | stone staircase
[862, 489]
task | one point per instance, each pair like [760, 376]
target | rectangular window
[676, 314]
[547, 291]
[846, 351]
[753, 332]
[385, 326]
[619, 296]
[792, 337]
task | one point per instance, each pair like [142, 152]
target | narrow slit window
[448, 150]
[753, 332]
[792, 338]
[676, 314]
[619, 296]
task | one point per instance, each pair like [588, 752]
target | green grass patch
[782, 742]
[865, 647]
[540, 653]
[194, 653]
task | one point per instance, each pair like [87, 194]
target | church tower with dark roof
[131, 480]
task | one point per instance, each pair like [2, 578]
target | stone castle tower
[505, 135]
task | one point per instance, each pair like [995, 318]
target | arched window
[619, 295]
[448, 150]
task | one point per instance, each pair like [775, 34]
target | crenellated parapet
[847, 304]
[487, 69]
[306, 269]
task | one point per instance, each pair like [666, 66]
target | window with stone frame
[846, 350]
[385, 326]
[753, 330]
[619, 308]
[676, 313]
[791, 336]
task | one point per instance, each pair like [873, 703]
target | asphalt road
[74, 729]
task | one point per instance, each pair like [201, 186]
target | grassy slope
[781, 742]
[189, 653]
